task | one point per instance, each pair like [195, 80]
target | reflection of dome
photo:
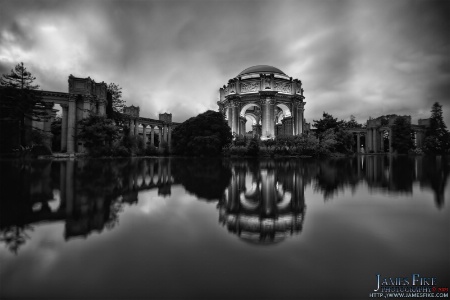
[261, 69]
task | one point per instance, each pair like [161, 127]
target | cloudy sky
[365, 58]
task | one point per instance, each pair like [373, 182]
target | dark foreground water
[223, 229]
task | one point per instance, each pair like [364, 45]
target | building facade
[272, 100]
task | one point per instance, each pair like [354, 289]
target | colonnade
[268, 101]
[164, 131]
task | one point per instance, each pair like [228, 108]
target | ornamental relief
[282, 87]
[249, 87]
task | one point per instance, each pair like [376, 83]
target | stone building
[376, 137]
[267, 96]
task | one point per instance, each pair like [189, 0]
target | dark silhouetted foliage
[437, 139]
[203, 135]
[401, 135]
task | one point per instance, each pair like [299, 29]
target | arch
[255, 120]
[246, 106]
[285, 109]
[279, 117]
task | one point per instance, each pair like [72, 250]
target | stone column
[230, 116]
[131, 127]
[374, 140]
[382, 141]
[369, 139]
[152, 135]
[48, 124]
[86, 106]
[268, 114]
[160, 135]
[136, 127]
[101, 108]
[144, 134]
[358, 143]
[297, 114]
[169, 139]
[64, 117]
[71, 125]
[166, 134]
[390, 141]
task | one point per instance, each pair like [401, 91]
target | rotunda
[272, 100]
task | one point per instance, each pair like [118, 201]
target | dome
[261, 69]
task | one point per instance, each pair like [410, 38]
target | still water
[221, 229]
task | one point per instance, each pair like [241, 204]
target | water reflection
[265, 201]
[260, 201]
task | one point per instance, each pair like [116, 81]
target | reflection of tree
[336, 174]
[206, 178]
[15, 236]
[434, 174]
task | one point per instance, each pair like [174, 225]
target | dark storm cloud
[365, 58]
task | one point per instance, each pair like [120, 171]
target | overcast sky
[365, 58]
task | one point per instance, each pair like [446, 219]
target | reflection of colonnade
[377, 136]
[74, 192]
[162, 128]
[264, 204]
[267, 96]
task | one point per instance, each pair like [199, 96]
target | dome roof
[261, 69]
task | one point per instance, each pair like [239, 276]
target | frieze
[250, 87]
[282, 87]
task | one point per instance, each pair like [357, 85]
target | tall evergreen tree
[19, 78]
[18, 98]
[401, 135]
[437, 139]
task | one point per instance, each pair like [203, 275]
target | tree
[19, 78]
[326, 123]
[18, 98]
[116, 97]
[352, 123]
[437, 139]
[401, 135]
[98, 134]
[205, 134]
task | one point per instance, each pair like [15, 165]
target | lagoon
[175, 228]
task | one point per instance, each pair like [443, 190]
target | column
[358, 143]
[131, 127]
[152, 135]
[136, 127]
[268, 114]
[230, 117]
[373, 135]
[48, 125]
[71, 125]
[64, 117]
[144, 134]
[101, 108]
[390, 141]
[300, 112]
[382, 141]
[369, 139]
[297, 113]
[165, 133]
[86, 106]
[160, 135]
[169, 141]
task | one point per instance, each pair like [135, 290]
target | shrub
[253, 147]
